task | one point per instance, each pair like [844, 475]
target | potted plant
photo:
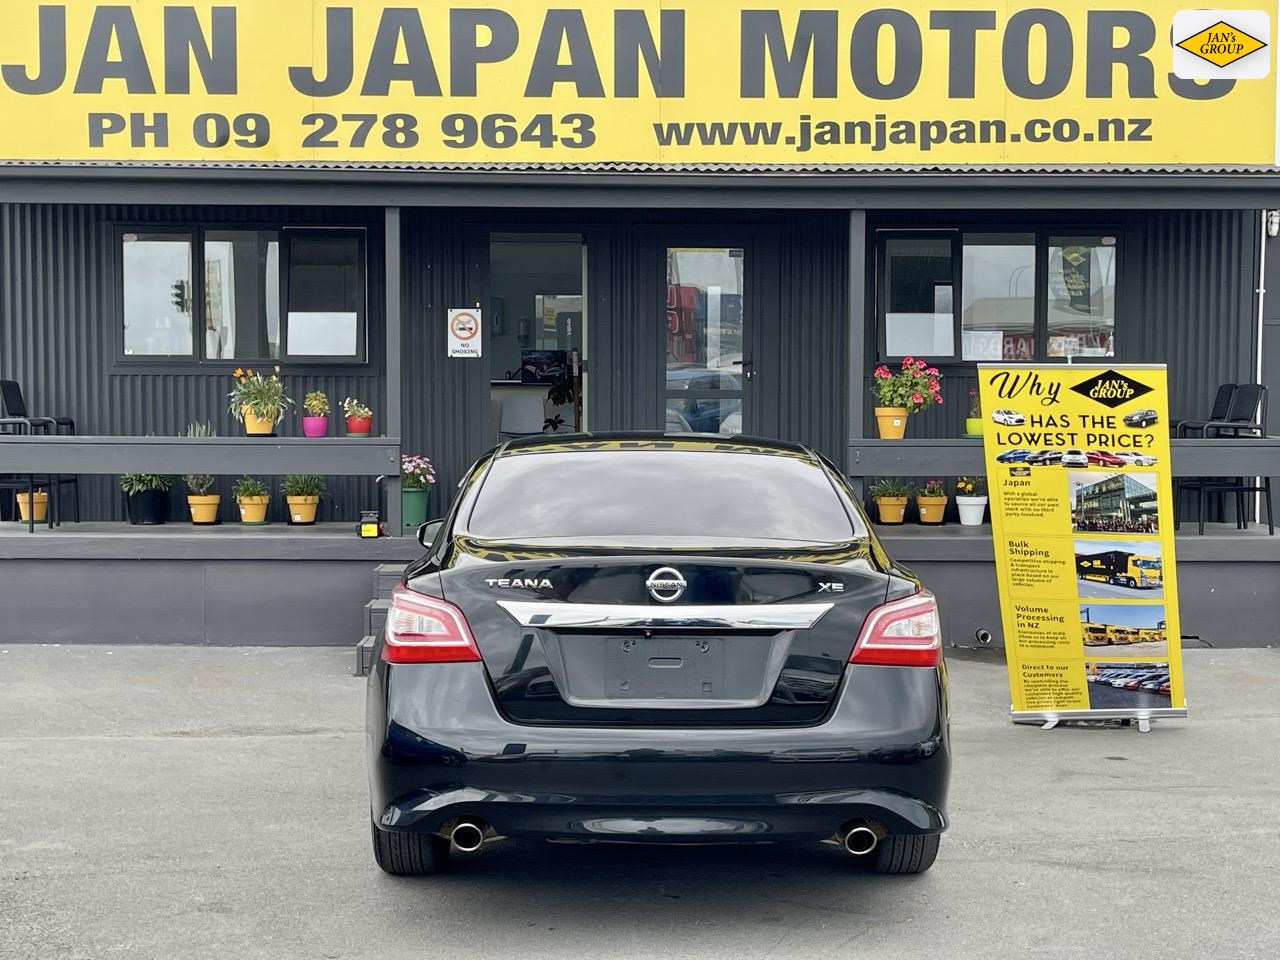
[891, 497]
[302, 493]
[252, 497]
[915, 387]
[417, 476]
[202, 503]
[258, 401]
[147, 495]
[932, 501]
[971, 499]
[37, 500]
[315, 423]
[973, 422]
[359, 418]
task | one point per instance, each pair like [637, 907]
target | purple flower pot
[315, 426]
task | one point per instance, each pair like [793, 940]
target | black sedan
[1141, 418]
[639, 638]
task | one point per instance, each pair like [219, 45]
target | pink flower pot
[315, 426]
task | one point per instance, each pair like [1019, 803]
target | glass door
[708, 368]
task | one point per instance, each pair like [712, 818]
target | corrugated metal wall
[58, 338]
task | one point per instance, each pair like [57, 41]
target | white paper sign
[464, 333]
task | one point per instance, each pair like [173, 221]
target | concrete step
[375, 616]
[364, 656]
[385, 578]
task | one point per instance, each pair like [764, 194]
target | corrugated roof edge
[618, 167]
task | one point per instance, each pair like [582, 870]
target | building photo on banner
[1083, 539]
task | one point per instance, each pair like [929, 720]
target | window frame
[1042, 234]
[198, 359]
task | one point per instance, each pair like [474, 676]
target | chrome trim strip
[774, 616]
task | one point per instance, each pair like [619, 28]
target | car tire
[404, 854]
[910, 853]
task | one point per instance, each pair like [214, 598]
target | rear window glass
[655, 493]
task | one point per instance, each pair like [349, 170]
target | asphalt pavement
[189, 802]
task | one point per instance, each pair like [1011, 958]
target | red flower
[883, 373]
[933, 372]
[933, 386]
[920, 364]
[937, 399]
[908, 362]
[916, 398]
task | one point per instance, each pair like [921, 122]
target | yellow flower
[238, 372]
[277, 368]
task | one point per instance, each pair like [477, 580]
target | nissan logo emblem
[666, 585]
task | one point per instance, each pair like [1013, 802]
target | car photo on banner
[1120, 569]
[1124, 629]
[1121, 686]
[1008, 418]
[1113, 502]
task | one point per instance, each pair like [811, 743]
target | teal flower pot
[413, 504]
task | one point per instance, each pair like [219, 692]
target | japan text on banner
[751, 83]
[1077, 462]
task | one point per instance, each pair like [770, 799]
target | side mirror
[427, 532]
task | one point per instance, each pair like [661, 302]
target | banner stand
[1077, 463]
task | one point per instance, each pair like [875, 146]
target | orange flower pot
[40, 499]
[204, 509]
[891, 509]
[302, 510]
[253, 510]
[891, 422]
[931, 508]
[255, 425]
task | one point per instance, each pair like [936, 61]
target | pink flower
[933, 372]
[908, 361]
[882, 373]
[916, 398]
[933, 386]
[920, 364]
[937, 400]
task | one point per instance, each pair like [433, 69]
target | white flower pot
[971, 510]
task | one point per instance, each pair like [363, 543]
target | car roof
[653, 440]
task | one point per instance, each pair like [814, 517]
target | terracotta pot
[891, 508]
[359, 426]
[931, 508]
[302, 510]
[315, 426]
[41, 501]
[891, 422]
[204, 508]
[973, 426]
[253, 510]
[972, 510]
[255, 425]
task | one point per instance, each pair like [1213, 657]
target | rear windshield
[685, 495]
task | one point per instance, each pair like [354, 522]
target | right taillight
[422, 629]
[903, 633]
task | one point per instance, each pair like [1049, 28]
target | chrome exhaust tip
[861, 840]
[467, 836]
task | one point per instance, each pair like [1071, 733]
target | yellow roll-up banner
[778, 83]
[1081, 494]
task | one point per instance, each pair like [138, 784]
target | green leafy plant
[932, 488]
[971, 486]
[916, 386]
[199, 484]
[891, 487]
[303, 485]
[561, 393]
[247, 488]
[263, 396]
[353, 408]
[416, 473]
[132, 483]
[553, 423]
[316, 403]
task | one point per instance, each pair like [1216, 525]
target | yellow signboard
[1082, 519]
[778, 82]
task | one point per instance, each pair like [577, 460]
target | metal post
[857, 330]
[394, 366]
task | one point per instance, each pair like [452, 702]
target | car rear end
[693, 642]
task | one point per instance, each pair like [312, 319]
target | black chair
[1246, 417]
[1220, 411]
[23, 483]
[15, 408]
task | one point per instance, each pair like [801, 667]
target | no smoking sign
[464, 333]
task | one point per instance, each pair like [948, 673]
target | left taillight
[902, 633]
[422, 629]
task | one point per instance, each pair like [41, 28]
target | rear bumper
[439, 749]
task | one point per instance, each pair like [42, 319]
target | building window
[973, 296]
[262, 294]
[157, 294]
